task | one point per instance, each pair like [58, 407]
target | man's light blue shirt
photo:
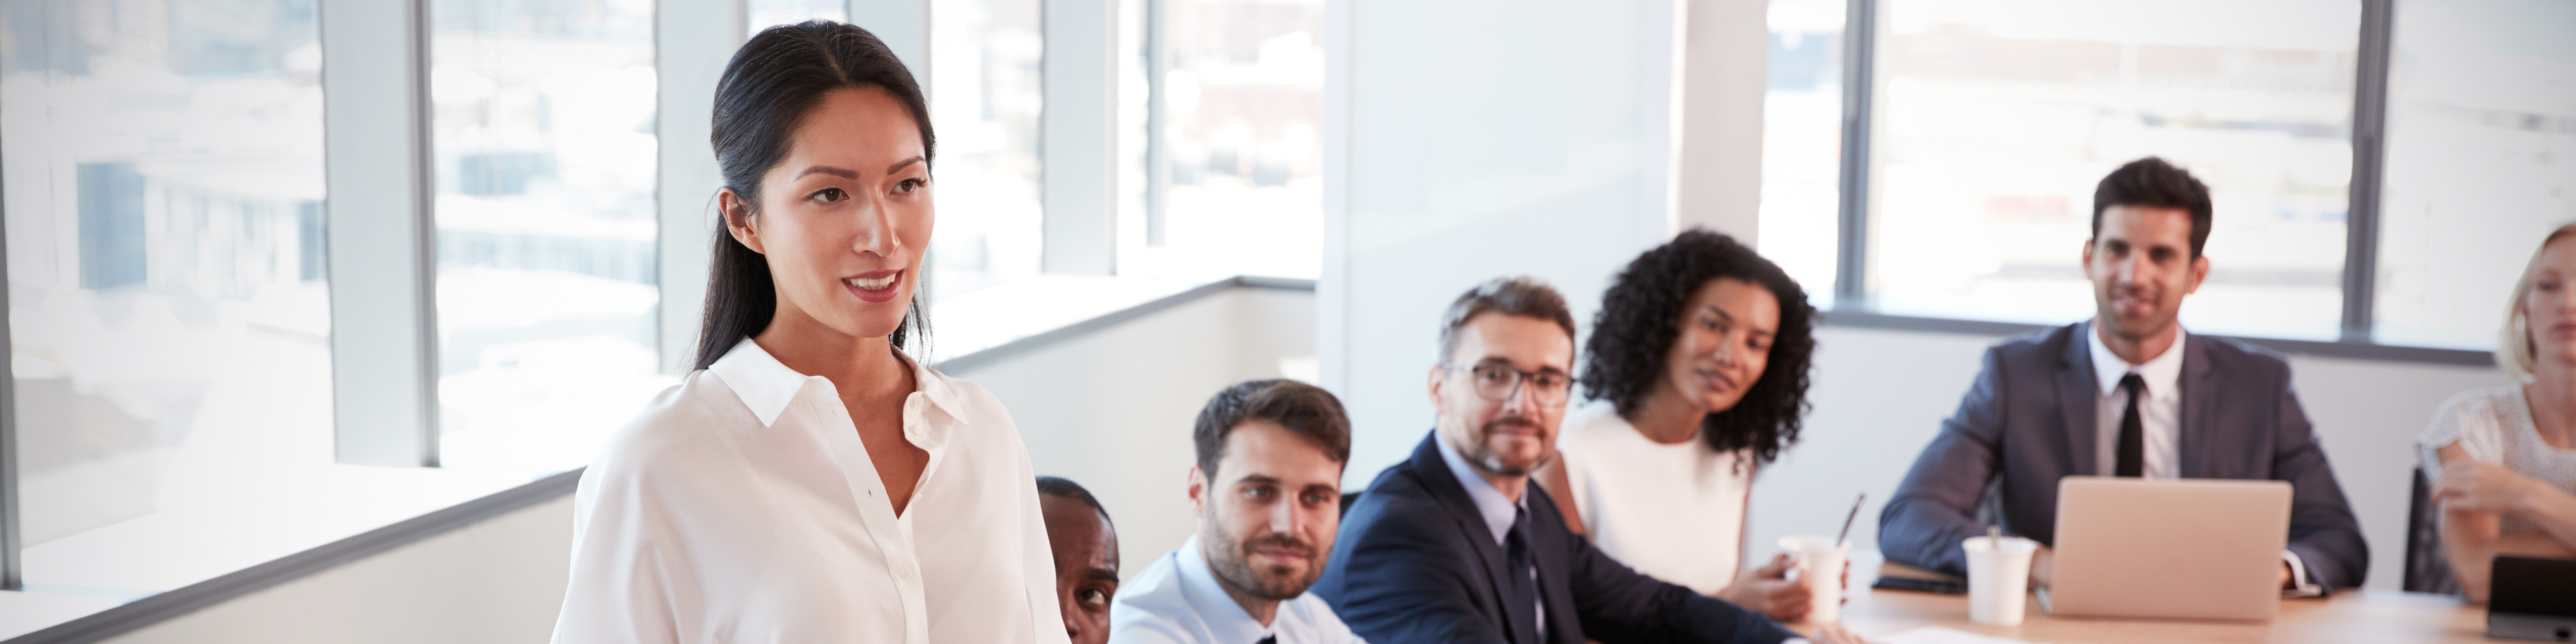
[1497, 511]
[1177, 600]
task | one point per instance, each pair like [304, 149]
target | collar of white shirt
[1498, 511]
[767, 386]
[2161, 373]
[1225, 619]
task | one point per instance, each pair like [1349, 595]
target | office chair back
[2427, 570]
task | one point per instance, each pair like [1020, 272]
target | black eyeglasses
[1497, 382]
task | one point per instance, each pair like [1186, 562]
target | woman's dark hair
[1641, 317]
[774, 81]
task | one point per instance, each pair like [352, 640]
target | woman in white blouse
[1697, 369]
[2504, 459]
[809, 482]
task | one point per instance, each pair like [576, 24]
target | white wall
[1880, 395]
[498, 581]
[1112, 409]
[1470, 139]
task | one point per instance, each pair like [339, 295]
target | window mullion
[381, 247]
[2369, 146]
[1860, 47]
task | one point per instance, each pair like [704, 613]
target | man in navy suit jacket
[1451, 545]
[2126, 394]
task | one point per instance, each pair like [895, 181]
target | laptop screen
[2533, 586]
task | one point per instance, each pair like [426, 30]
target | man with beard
[1085, 545]
[1452, 546]
[2125, 394]
[1267, 491]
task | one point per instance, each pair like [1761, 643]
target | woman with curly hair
[1697, 369]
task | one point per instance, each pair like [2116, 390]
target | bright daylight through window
[168, 313]
[543, 129]
[1240, 185]
[984, 102]
[2481, 162]
[1802, 143]
[1997, 117]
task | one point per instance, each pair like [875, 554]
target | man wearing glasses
[1447, 546]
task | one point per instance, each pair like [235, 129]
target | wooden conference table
[2350, 617]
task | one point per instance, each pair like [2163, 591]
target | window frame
[1852, 306]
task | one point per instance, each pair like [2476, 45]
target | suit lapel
[2076, 392]
[1470, 522]
[2199, 400]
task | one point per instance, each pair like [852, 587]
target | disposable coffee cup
[1998, 578]
[1820, 568]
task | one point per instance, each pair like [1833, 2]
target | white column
[692, 41]
[1473, 145]
[1726, 57]
[1077, 137]
[381, 239]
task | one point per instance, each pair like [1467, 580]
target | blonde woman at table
[2504, 459]
[810, 482]
[1697, 367]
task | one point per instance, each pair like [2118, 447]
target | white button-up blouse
[740, 507]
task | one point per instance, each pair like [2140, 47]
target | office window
[1997, 117]
[168, 314]
[2481, 162]
[1238, 138]
[1802, 144]
[543, 130]
[984, 102]
[770, 13]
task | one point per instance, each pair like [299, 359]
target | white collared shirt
[2159, 412]
[2159, 423]
[1177, 601]
[740, 506]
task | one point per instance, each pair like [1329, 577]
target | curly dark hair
[1641, 316]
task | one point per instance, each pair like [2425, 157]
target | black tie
[1523, 588]
[2133, 441]
[1274, 639]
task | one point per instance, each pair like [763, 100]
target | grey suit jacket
[2029, 419]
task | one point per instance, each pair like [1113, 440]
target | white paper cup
[1998, 578]
[1820, 567]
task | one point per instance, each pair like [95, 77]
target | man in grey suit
[2125, 394]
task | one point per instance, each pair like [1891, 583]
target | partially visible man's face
[1513, 435]
[2141, 266]
[1266, 521]
[1086, 566]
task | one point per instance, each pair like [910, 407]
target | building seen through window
[168, 312]
[543, 127]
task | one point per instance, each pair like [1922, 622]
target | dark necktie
[1274, 639]
[1522, 586]
[2133, 440]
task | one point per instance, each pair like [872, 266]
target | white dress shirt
[1178, 601]
[2159, 423]
[2159, 413]
[1674, 512]
[741, 507]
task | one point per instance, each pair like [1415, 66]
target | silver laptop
[2173, 549]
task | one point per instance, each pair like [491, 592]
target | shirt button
[905, 573]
